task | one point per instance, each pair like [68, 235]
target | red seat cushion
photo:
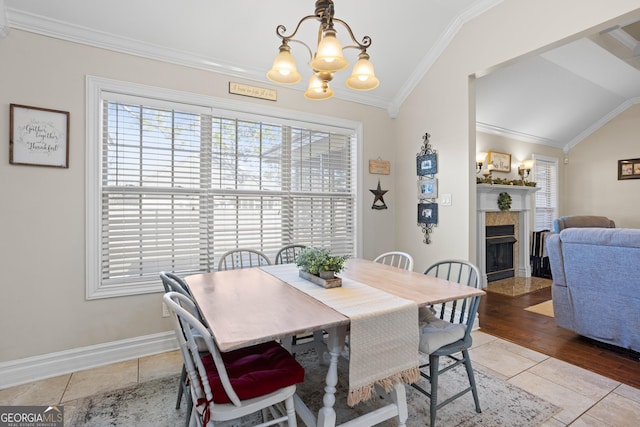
[254, 371]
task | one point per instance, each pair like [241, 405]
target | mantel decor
[38, 136]
[504, 201]
[320, 267]
[426, 168]
[501, 162]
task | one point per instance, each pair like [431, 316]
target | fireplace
[499, 251]
[519, 215]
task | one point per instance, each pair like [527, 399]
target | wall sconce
[480, 161]
[525, 169]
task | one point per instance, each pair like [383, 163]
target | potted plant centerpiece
[320, 267]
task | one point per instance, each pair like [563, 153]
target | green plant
[504, 201]
[314, 260]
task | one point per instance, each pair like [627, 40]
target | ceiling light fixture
[327, 59]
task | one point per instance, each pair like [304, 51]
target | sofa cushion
[622, 237]
[582, 221]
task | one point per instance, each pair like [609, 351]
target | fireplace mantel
[521, 202]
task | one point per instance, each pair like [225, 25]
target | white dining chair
[230, 385]
[396, 259]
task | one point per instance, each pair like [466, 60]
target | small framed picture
[427, 164]
[501, 162]
[427, 188]
[427, 213]
[38, 137]
[629, 169]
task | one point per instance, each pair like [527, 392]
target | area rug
[153, 403]
[545, 308]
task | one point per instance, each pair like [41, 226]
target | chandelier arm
[280, 29]
[305, 45]
[366, 40]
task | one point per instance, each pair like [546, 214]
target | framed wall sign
[38, 136]
[501, 162]
[629, 169]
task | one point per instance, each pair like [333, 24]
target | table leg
[335, 344]
[399, 396]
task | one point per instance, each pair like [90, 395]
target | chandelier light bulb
[318, 89]
[329, 56]
[363, 77]
[284, 67]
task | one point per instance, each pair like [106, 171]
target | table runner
[383, 336]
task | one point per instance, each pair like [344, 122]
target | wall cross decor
[426, 168]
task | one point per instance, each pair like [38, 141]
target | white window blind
[179, 187]
[546, 199]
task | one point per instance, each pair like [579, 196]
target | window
[178, 184]
[545, 174]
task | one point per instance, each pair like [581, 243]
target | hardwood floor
[504, 316]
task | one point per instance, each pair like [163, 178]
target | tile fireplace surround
[519, 215]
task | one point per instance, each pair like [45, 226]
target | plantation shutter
[546, 199]
[181, 186]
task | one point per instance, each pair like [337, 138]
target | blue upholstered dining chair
[445, 331]
[230, 385]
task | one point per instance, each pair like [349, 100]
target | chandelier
[327, 59]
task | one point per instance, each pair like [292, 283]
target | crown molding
[509, 133]
[473, 11]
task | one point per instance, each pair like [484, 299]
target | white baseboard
[22, 371]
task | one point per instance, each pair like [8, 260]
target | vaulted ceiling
[556, 98]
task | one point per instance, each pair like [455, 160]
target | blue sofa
[596, 283]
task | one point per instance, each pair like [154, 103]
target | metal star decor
[379, 192]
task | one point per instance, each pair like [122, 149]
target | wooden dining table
[249, 306]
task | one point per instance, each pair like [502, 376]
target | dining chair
[173, 283]
[396, 259]
[287, 254]
[230, 385]
[242, 258]
[445, 331]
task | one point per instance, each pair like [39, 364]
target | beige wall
[592, 186]
[43, 209]
[43, 212]
[443, 104]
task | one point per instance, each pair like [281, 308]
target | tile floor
[586, 399]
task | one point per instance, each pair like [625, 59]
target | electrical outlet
[445, 200]
[165, 310]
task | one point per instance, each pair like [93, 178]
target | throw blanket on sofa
[383, 338]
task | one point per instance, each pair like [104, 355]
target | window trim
[95, 86]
